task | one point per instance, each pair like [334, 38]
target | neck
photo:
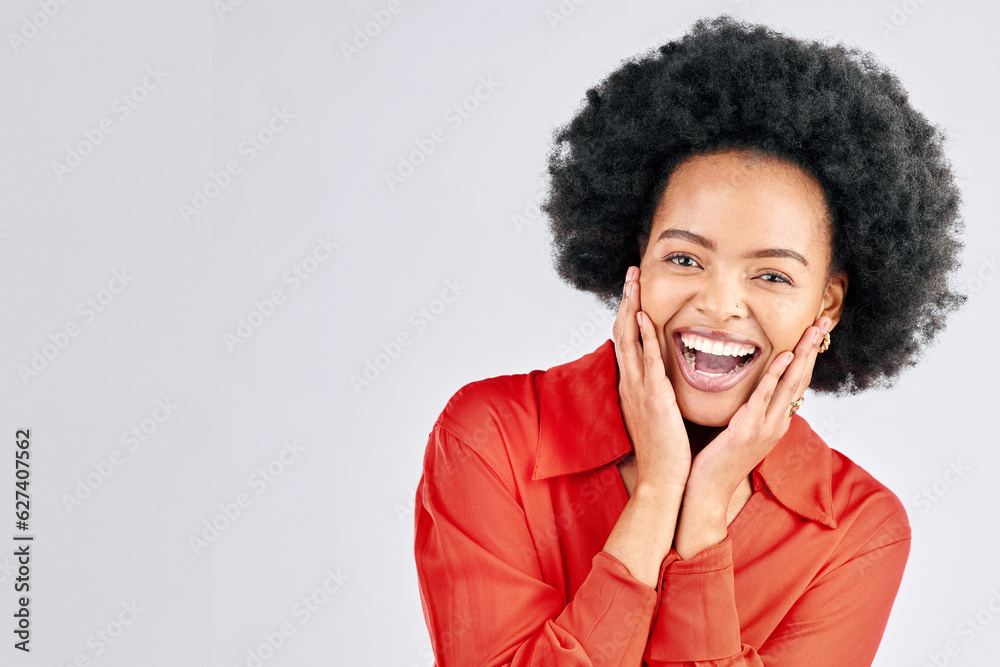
[700, 436]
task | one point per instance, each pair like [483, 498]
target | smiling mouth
[714, 358]
[712, 365]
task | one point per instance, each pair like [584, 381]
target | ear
[833, 298]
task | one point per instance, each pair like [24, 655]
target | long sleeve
[484, 598]
[837, 621]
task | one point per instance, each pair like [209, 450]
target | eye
[680, 259]
[778, 278]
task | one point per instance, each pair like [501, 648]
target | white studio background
[170, 169]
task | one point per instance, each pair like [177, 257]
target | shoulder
[482, 408]
[870, 514]
[495, 419]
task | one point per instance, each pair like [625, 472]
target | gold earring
[825, 344]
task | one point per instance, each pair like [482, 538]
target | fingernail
[628, 288]
[817, 337]
[629, 273]
[825, 325]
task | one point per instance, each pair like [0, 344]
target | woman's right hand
[649, 408]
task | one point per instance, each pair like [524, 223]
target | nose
[721, 298]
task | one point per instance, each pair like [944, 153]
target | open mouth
[714, 358]
[713, 365]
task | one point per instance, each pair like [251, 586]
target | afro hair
[830, 109]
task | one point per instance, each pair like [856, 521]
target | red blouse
[520, 490]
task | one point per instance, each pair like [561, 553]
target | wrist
[659, 491]
[699, 526]
[710, 487]
[664, 498]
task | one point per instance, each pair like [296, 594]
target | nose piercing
[739, 305]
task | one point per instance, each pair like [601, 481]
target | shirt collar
[581, 428]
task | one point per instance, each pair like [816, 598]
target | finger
[824, 324]
[655, 378]
[763, 394]
[795, 379]
[626, 332]
[621, 316]
[652, 362]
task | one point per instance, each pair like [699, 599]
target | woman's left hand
[719, 469]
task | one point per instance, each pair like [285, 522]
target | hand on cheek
[719, 469]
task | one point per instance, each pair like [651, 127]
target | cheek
[783, 321]
[659, 299]
[786, 308]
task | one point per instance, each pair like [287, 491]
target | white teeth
[690, 359]
[716, 347]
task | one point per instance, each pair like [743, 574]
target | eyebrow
[698, 239]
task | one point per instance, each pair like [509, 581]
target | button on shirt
[520, 489]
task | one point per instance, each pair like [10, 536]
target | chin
[705, 397]
[707, 412]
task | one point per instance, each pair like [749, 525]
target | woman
[747, 201]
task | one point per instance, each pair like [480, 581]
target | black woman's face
[736, 267]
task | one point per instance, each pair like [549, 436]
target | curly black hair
[830, 109]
